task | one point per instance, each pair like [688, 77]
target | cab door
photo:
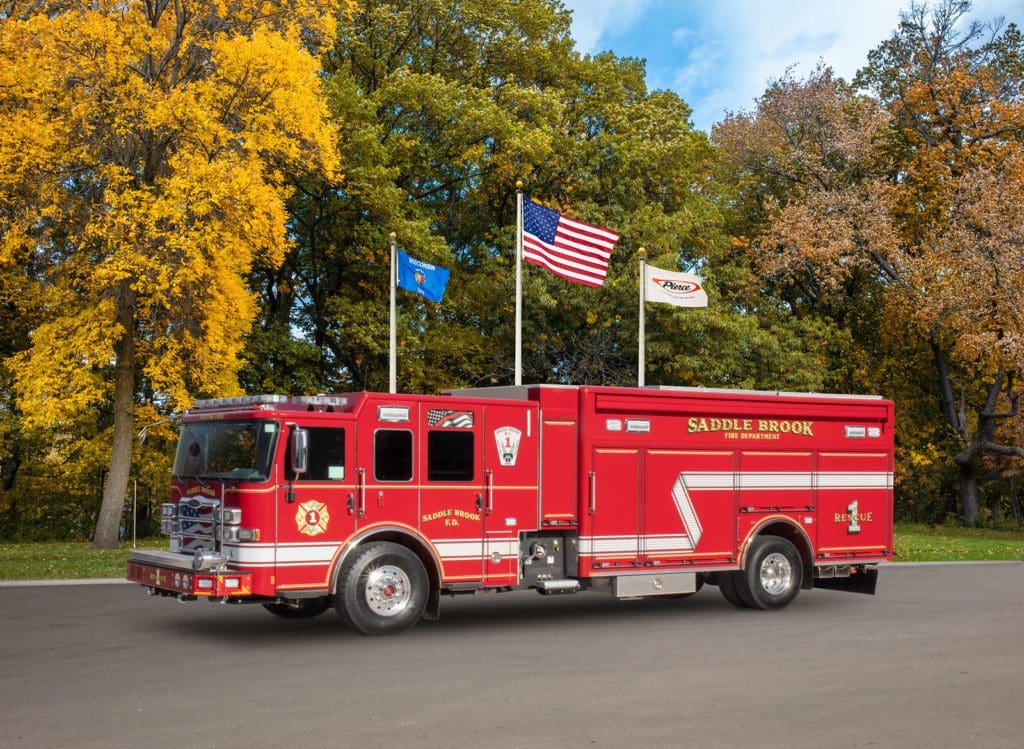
[452, 494]
[312, 507]
[388, 472]
[511, 494]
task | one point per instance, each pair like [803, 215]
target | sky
[719, 55]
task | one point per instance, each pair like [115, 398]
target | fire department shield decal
[507, 439]
[312, 518]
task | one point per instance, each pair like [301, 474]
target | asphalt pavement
[935, 660]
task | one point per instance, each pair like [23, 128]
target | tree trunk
[116, 486]
[968, 485]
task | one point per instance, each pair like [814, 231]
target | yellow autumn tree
[144, 148]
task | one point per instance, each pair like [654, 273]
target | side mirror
[300, 451]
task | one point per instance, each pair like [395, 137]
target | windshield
[231, 450]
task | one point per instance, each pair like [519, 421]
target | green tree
[436, 105]
[441, 109]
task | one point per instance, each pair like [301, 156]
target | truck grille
[196, 524]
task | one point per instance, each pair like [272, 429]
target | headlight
[167, 527]
[239, 534]
[229, 515]
[168, 510]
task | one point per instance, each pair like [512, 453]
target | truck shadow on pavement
[522, 612]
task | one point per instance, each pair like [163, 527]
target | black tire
[305, 608]
[382, 589]
[773, 575]
[727, 587]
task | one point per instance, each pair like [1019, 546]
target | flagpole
[392, 354]
[641, 337]
[519, 283]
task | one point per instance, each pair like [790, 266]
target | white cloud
[702, 63]
[593, 20]
[758, 41]
[721, 54]
[682, 34]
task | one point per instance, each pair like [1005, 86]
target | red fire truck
[378, 505]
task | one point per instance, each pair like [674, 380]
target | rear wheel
[304, 608]
[773, 575]
[382, 589]
[727, 587]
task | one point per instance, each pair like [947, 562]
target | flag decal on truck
[443, 418]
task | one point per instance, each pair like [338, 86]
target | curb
[977, 562]
[82, 581]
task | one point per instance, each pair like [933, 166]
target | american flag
[572, 249]
[443, 418]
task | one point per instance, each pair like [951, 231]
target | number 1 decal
[507, 440]
[854, 526]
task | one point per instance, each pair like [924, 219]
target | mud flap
[859, 582]
[433, 610]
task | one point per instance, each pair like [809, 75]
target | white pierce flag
[671, 287]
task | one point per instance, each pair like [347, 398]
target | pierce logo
[676, 288]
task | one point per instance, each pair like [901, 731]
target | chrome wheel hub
[776, 574]
[388, 590]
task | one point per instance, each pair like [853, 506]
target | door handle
[361, 472]
[489, 485]
[593, 492]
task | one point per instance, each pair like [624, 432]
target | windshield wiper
[198, 479]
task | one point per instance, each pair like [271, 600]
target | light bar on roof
[321, 400]
[241, 400]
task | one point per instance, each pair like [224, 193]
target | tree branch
[1012, 450]
[948, 401]
[885, 266]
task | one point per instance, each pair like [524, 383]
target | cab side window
[326, 456]
[450, 456]
[392, 455]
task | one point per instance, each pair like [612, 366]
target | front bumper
[168, 573]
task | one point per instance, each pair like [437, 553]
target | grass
[941, 543]
[66, 560]
[76, 559]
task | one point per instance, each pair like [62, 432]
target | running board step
[552, 587]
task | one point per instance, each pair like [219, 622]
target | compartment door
[854, 503]
[776, 481]
[689, 506]
[614, 506]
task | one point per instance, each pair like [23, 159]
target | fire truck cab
[379, 504]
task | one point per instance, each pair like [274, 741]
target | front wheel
[382, 589]
[773, 575]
